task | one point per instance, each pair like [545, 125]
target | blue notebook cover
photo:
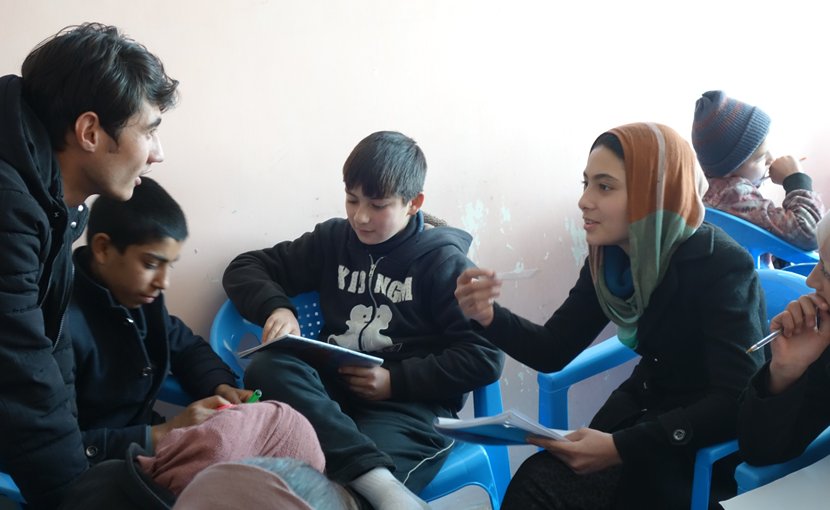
[316, 353]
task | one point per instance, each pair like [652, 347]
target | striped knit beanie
[726, 132]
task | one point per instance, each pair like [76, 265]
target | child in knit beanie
[730, 138]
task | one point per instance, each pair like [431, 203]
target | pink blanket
[264, 429]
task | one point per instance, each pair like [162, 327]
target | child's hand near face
[281, 322]
[369, 383]
[782, 168]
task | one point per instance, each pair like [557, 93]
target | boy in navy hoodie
[386, 287]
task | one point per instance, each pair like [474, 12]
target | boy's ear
[416, 203]
[87, 134]
[100, 246]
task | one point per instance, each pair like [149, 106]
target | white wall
[504, 97]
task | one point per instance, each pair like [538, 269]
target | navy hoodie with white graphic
[394, 299]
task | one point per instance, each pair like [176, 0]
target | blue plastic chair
[468, 464]
[780, 287]
[804, 269]
[9, 490]
[751, 477]
[758, 241]
[171, 391]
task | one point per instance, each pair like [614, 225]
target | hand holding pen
[764, 341]
[252, 399]
[477, 289]
[804, 328]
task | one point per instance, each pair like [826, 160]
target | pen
[254, 397]
[764, 341]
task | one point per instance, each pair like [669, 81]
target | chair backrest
[758, 241]
[226, 334]
[308, 313]
[781, 287]
[230, 331]
[804, 269]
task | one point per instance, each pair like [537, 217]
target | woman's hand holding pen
[588, 450]
[194, 414]
[282, 321]
[805, 334]
[476, 290]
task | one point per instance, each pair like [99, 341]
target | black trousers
[356, 435]
[544, 482]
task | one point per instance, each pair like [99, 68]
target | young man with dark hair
[81, 120]
[386, 287]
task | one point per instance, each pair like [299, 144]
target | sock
[385, 492]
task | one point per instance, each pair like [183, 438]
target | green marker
[255, 397]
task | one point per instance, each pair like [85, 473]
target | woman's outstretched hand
[476, 290]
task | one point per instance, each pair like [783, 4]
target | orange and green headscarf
[665, 189]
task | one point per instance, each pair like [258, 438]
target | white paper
[805, 489]
[510, 427]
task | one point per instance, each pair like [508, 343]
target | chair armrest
[171, 391]
[594, 360]
[554, 386]
[704, 461]
[487, 400]
[9, 490]
[751, 477]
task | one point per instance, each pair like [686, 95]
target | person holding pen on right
[684, 296]
[787, 399]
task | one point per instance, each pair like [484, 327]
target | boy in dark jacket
[82, 119]
[125, 342]
[386, 287]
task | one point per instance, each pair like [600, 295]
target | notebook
[317, 353]
[508, 428]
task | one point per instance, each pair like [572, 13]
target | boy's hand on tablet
[282, 321]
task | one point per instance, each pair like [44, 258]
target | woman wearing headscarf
[682, 294]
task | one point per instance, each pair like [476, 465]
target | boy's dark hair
[92, 67]
[610, 142]
[386, 164]
[149, 216]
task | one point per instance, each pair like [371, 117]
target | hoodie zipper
[372, 267]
